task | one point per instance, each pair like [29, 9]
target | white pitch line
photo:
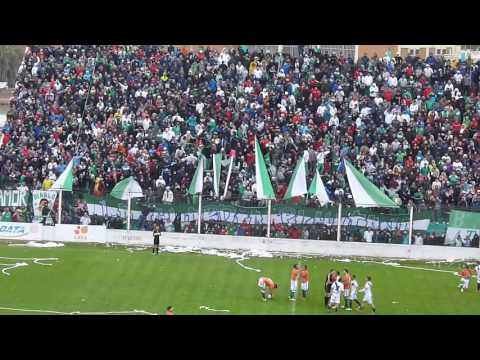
[38, 261]
[409, 267]
[12, 266]
[246, 267]
[211, 309]
[79, 312]
[35, 260]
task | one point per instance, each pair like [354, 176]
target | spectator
[466, 242]
[475, 240]
[418, 239]
[85, 219]
[168, 195]
[368, 235]
[458, 240]
[411, 128]
[6, 215]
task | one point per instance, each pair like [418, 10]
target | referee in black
[156, 238]
[328, 287]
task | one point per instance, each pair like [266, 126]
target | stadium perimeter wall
[102, 235]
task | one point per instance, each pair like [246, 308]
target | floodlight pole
[269, 217]
[199, 212]
[410, 229]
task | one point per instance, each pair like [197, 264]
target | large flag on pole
[298, 182]
[127, 188]
[232, 157]
[365, 193]
[196, 185]
[65, 180]
[318, 189]
[217, 171]
[262, 179]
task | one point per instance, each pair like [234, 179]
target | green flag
[127, 188]
[196, 186]
[262, 179]
[217, 171]
[65, 180]
[298, 182]
[364, 192]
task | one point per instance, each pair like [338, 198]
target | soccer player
[353, 292]
[169, 310]
[346, 292]
[156, 238]
[305, 276]
[266, 286]
[335, 294]
[294, 282]
[328, 286]
[465, 279]
[368, 297]
[477, 269]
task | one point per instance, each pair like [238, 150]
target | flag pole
[129, 210]
[410, 228]
[199, 212]
[269, 217]
[339, 221]
[60, 207]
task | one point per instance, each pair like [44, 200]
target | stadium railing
[246, 216]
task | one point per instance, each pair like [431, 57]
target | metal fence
[302, 219]
[296, 218]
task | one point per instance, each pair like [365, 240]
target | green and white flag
[262, 179]
[127, 188]
[196, 187]
[318, 189]
[65, 181]
[463, 223]
[298, 182]
[217, 171]
[365, 193]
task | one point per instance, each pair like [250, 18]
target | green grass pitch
[99, 279]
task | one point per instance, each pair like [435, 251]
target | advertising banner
[20, 231]
[80, 233]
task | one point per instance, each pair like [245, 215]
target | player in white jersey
[335, 295]
[477, 270]
[354, 291]
[368, 296]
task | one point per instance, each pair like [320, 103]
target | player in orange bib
[294, 282]
[266, 286]
[347, 284]
[305, 276]
[465, 279]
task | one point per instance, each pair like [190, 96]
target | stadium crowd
[411, 125]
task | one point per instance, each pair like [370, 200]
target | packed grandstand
[410, 125]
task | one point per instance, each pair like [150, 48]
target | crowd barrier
[102, 235]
